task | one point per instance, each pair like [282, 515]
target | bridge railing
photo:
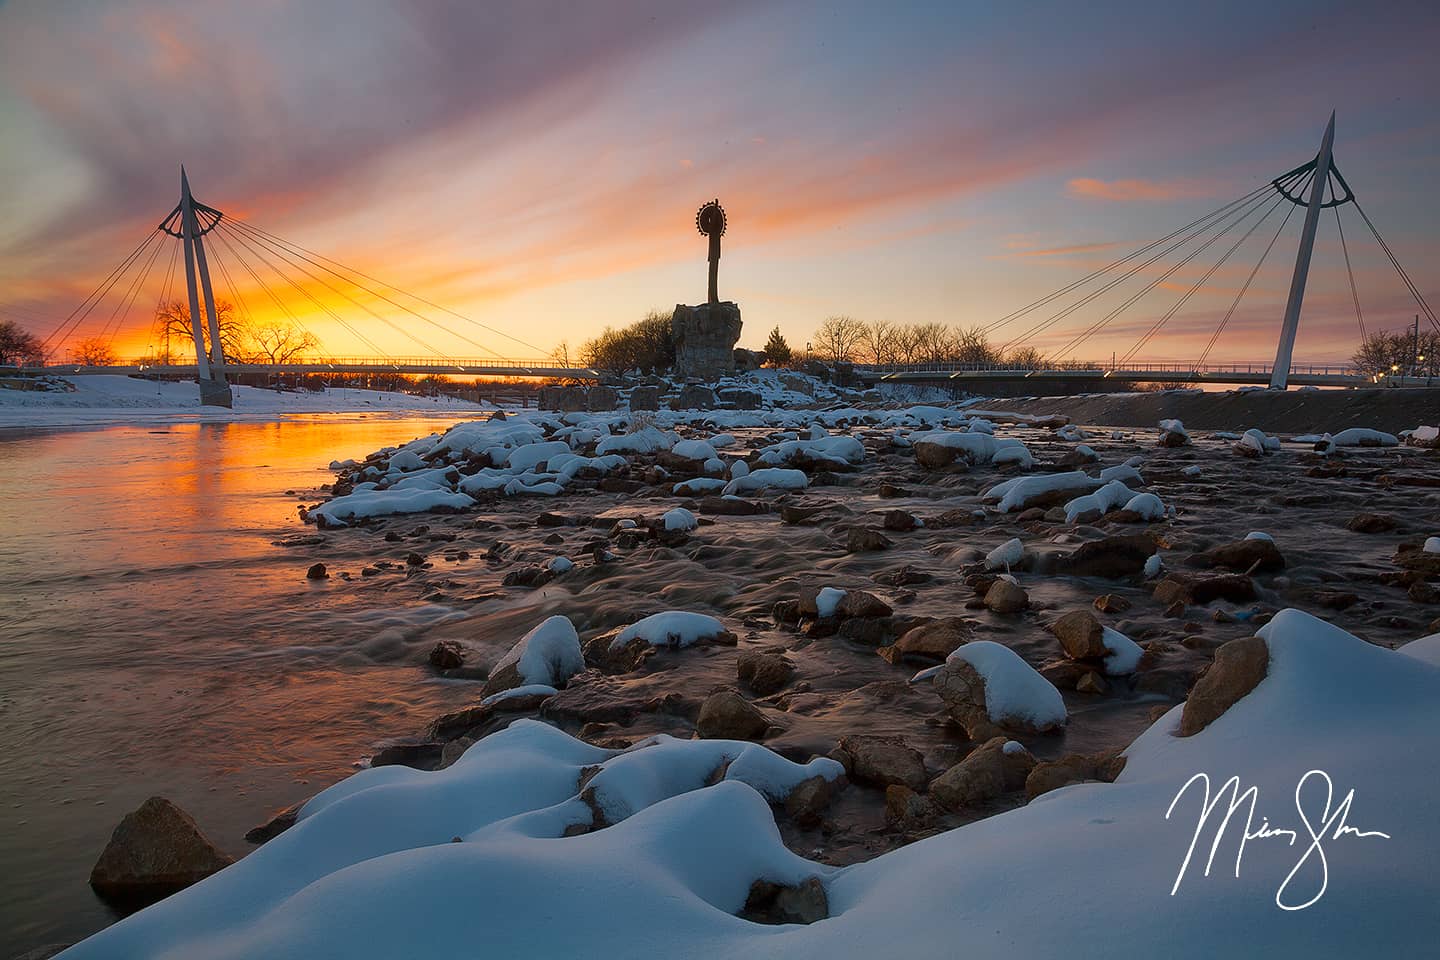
[1094, 368]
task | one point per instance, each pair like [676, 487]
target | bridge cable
[1234, 304]
[1170, 314]
[99, 293]
[1395, 262]
[161, 302]
[1250, 206]
[260, 253]
[264, 287]
[1350, 271]
[128, 300]
[391, 286]
[260, 235]
[1103, 322]
[1121, 262]
[245, 307]
[339, 293]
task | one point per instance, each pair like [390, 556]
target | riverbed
[153, 640]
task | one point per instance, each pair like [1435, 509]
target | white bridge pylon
[1280, 373]
[210, 369]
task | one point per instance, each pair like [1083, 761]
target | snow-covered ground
[474, 860]
[107, 399]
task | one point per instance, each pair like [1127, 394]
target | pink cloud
[1135, 189]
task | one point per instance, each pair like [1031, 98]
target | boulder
[1081, 635]
[316, 572]
[930, 642]
[600, 398]
[986, 772]
[1239, 667]
[882, 761]
[645, 398]
[907, 810]
[1005, 596]
[1181, 588]
[725, 715]
[962, 688]
[1242, 556]
[807, 802]
[900, 521]
[692, 396]
[1076, 768]
[156, 850]
[764, 672]
[864, 539]
[447, 655]
[859, 603]
[1372, 523]
[777, 903]
[740, 399]
[705, 337]
[1119, 556]
[1112, 603]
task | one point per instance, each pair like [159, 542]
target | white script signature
[1330, 825]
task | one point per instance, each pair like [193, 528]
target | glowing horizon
[539, 172]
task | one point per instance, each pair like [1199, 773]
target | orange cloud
[1135, 189]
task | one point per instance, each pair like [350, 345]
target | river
[154, 641]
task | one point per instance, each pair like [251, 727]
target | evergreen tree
[777, 352]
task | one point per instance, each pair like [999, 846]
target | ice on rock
[1192, 471]
[673, 628]
[559, 565]
[549, 654]
[381, 503]
[532, 455]
[1013, 688]
[768, 477]
[1259, 535]
[1113, 494]
[1017, 493]
[679, 520]
[1153, 566]
[644, 440]
[739, 469]
[1361, 437]
[722, 440]
[1432, 545]
[838, 450]
[976, 448]
[1005, 556]
[694, 450]
[1124, 472]
[827, 602]
[1147, 506]
[525, 690]
[1124, 655]
[698, 486]
[1173, 426]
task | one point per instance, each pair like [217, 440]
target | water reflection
[154, 641]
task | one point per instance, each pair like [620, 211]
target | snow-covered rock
[381, 503]
[778, 478]
[549, 654]
[673, 628]
[1007, 555]
[679, 520]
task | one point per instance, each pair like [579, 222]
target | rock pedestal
[705, 337]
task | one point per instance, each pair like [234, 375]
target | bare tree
[1024, 358]
[19, 346]
[838, 338]
[275, 342]
[877, 344]
[173, 320]
[93, 352]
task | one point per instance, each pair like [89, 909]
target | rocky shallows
[920, 661]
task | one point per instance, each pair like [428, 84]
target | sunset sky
[536, 166]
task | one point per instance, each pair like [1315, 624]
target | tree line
[1404, 353]
[846, 339]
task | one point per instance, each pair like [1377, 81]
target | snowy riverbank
[106, 399]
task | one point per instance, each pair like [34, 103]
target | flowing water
[154, 641]
[157, 640]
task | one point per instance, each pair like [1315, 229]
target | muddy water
[235, 687]
[154, 641]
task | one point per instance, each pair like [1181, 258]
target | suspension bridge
[298, 282]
